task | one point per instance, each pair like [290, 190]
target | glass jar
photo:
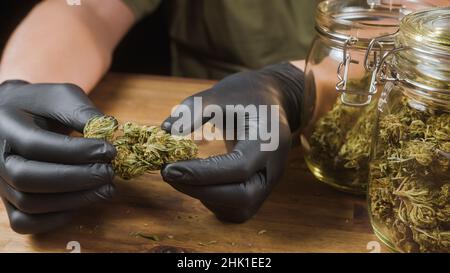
[337, 144]
[409, 181]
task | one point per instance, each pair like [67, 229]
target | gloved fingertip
[171, 174]
[167, 125]
[106, 152]
[15, 82]
[110, 151]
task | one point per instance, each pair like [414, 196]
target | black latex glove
[44, 175]
[234, 185]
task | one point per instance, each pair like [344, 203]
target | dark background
[145, 49]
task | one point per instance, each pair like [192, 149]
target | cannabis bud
[340, 143]
[409, 191]
[140, 149]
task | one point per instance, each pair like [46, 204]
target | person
[58, 54]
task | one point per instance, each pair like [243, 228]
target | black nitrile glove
[234, 185]
[44, 175]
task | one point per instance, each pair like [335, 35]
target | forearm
[325, 91]
[300, 64]
[61, 43]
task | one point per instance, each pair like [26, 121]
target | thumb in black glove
[234, 185]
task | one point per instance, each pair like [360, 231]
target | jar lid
[363, 19]
[427, 30]
[422, 61]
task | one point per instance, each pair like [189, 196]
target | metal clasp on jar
[376, 48]
[375, 57]
[343, 75]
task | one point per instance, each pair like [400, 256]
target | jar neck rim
[343, 20]
[423, 49]
[341, 39]
[427, 31]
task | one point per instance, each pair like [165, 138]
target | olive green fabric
[140, 8]
[214, 38]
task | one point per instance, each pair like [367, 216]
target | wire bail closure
[380, 55]
[342, 74]
[381, 71]
[376, 65]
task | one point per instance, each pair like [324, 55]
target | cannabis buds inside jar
[338, 144]
[409, 185]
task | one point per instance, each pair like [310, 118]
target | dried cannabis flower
[409, 192]
[340, 143]
[140, 149]
[101, 127]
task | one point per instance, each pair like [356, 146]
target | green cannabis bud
[409, 188]
[140, 149]
[340, 143]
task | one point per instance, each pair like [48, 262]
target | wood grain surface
[301, 215]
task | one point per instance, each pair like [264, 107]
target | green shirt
[214, 38]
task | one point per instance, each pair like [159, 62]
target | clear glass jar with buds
[409, 181]
[337, 144]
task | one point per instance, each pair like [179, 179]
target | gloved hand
[234, 185]
[44, 175]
